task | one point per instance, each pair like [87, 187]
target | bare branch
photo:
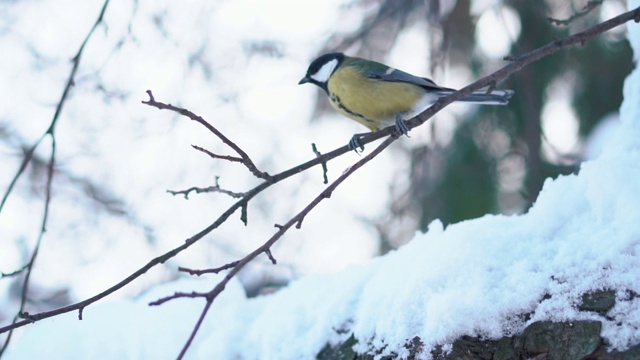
[516, 65]
[227, 266]
[207, 189]
[216, 156]
[50, 168]
[214, 188]
[177, 295]
[246, 160]
[209, 271]
[282, 229]
[15, 272]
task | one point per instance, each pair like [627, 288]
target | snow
[123, 329]
[472, 278]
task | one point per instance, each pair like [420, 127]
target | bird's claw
[354, 143]
[401, 127]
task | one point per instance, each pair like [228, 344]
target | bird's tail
[495, 97]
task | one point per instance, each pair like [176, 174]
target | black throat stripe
[336, 100]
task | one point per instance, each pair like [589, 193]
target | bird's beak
[304, 80]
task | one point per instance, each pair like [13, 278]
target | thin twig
[177, 295]
[209, 271]
[50, 132]
[267, 251]
[216, 156]
[246, 160]
[15, 272]
[56, 115]
[198, 190]
[324, 164]
[325, 194]
[240, 204]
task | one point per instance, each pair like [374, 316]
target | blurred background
[237, 63]
[491, 160]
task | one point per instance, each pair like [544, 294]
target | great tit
[377, 96]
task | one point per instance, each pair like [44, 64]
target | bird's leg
[354, 143]
[401, 127]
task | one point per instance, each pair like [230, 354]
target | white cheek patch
[325, 71]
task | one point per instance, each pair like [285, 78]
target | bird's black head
[321, 69]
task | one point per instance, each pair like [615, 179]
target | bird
[377, 95]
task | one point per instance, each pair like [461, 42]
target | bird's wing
[378, 71]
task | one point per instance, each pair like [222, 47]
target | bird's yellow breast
[373, 103]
